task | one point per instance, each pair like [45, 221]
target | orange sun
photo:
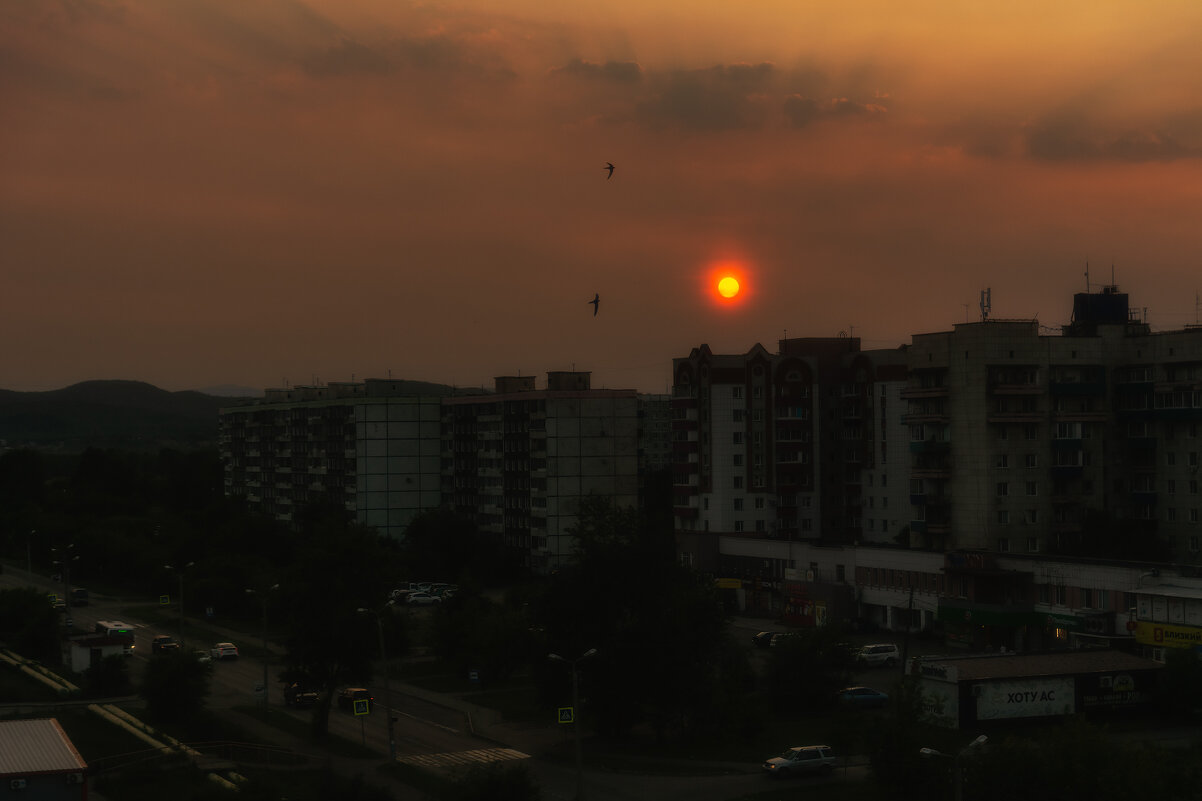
[728, 287]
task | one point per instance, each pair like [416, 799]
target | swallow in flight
[609, 166]
[596, 301]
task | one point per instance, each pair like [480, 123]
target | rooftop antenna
[986, 303]
[389, 373]
[965, 312]
[1087, 276]
[1197, 306]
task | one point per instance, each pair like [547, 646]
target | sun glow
[728, 287]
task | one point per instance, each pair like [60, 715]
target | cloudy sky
[202, 192]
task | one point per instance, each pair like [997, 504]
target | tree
[497, 781]
[441, 543]
[108, 677]
[1180, 693]
[337, 568]
[175, 686]
[806, 669]
[625, 595]
[28, 624]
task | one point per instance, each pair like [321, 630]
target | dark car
[862, 698]
[296, 694]
[163, 644]
[763, 639]
[348, 697]
[79, 597]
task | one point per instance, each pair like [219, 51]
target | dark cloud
[802, 111]
[436, 54]
[1061, 140]
[346, 58]
[616, 71]
[724, 97]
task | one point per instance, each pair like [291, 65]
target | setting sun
[728, 287]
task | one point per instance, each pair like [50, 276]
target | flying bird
[596, 301]
[609, 166]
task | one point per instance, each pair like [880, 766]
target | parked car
[79, 597]
[400, 594]
[423, 599]
[203, 657]
[863, 697]
[163, 643]
[348, 697]
[296, 694]
[224, 650]
[801, 759]
[878, 654]
[763, 639]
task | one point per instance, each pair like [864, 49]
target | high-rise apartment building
[795, 445]
[1085, 441]
[520, 461]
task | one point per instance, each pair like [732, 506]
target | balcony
[930, 446]
[924, 392]
[1077, 389]
[998, 388]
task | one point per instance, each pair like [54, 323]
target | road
[428, 733]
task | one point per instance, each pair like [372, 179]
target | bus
[117, 630]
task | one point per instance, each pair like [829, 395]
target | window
[1170, 458]
[1003, 517]
[884, 525]
[1032, 544]
[1003, 545]
[1172, 487]
[1193, 543]
[1031, 516]
[759, 525]
[738, 525]
[1031, 431]
[1193, 515]
[1003, 461]
[757, 415]
[1193, 458]
[884, 480]
[756, 392]
[1003, 489]
[737, 438]
[705, 503]
[1032, 487]
[840, 573]
[759, 502]
[738, 482]
[736, 392]
[736, 415]
[1172, 515]
[738, 460]
[738, 504]
[1002, 433]
[1030, 460]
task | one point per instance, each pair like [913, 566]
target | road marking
[480, 755]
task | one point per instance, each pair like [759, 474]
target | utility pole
[576, 715]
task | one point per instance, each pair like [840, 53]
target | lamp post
[957, 768]
[179, 571]
[29, 552]
[576, 714]
[388, 718]
[263, 600]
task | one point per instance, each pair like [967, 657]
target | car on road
[224, 650]
[297, 695]
[348, 697]
[423, 599]
[79, 597]
[801, 759]
[862, 698]
[163, 643]
[203, 657]
[763, 639]
[878, 654]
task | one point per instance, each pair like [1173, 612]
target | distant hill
[231, 391]
[128, 415]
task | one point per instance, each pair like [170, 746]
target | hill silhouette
[127, 415]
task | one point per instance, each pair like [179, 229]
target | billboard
[1024, 698]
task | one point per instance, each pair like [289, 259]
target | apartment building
[1082, 441]
[802, 444]
[521, 460]
[372, 446]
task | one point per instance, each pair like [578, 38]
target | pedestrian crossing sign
[164, 600]
[567, 714]
[362, 706]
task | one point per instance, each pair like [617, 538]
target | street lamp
[263, 599]
[957, 768]
[576, 714]
[388, 718]
[179, 571]
[29, 552]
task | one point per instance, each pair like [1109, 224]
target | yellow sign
[729, 583]
[567, 714]
[1166, 635]
[164, 600]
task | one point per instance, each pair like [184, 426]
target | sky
[284, 192]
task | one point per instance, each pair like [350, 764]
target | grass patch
[427, 782]
[16, 687]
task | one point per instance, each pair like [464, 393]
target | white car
[423, 599]
[203, 657]
[224, 650]
[802, 759]
[879, 654]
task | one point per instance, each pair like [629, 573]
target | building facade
[1087, 441]
[803, 444]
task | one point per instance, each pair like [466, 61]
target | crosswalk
[458, 758]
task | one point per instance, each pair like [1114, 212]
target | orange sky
[204, 192]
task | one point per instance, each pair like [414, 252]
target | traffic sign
[362, 706]
[164, 600]
[567, 714]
